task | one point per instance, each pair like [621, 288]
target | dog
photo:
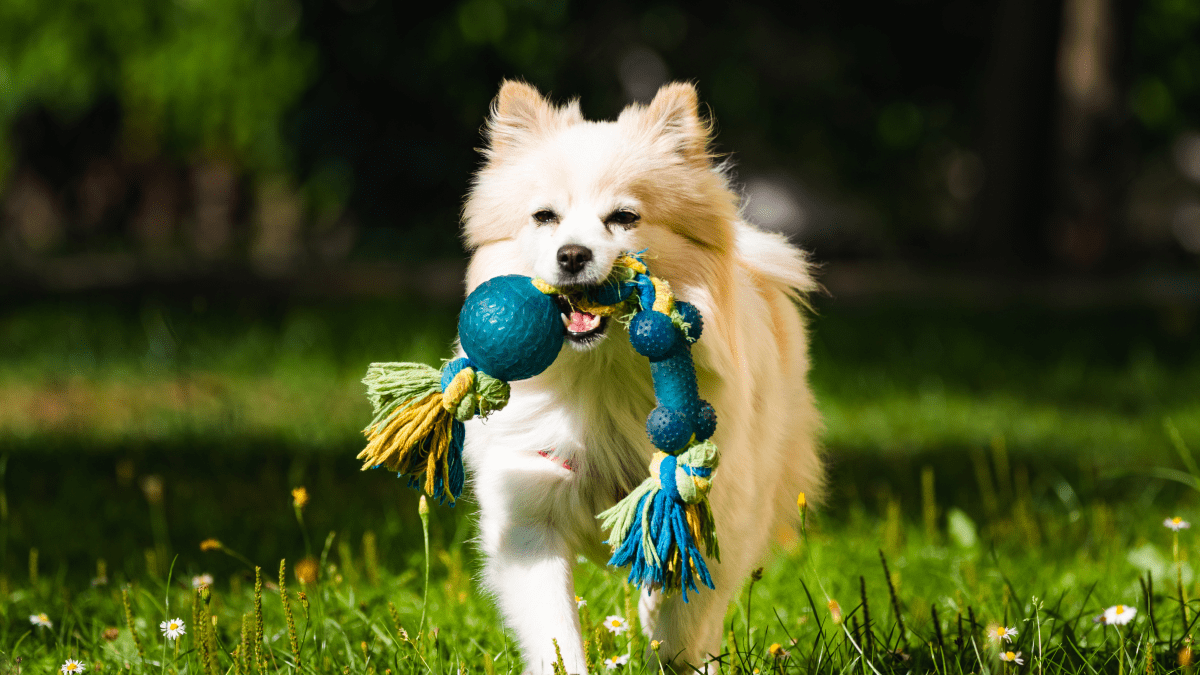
[560, 197]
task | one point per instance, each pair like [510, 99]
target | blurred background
[215, 213]
[150, 142]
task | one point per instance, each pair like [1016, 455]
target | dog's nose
[572, 258]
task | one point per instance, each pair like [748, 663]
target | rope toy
[510, 329]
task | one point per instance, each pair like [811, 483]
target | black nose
[572, 258]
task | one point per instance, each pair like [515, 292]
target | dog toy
[510, 329]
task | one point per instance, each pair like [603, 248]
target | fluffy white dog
[559, 197]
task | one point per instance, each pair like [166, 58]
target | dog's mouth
[583, 328]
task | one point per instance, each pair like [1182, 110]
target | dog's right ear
[520, 112]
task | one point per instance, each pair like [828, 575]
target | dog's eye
[545, 216]
[622, 217]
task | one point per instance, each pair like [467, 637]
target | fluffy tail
[773, 257]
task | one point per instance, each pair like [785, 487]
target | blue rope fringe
[661, 517]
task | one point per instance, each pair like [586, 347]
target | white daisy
[1000, 633]
[71, 666]
[580, 602]
[202, 580]
[1176, 523]
[1012, 657]
[172, 629]
[1119, 615]
[615, 624]
[41, 620]
[614, 662]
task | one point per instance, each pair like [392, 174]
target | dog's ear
[674, 115]
[520, 112]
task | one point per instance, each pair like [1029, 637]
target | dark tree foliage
[923, 128]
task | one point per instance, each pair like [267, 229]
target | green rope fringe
[394, 386]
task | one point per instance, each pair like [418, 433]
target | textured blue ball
[509, 329]
[692, 317]
[706, 421]
[669, 428]
[653, 335]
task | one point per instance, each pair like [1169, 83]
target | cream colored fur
[589, 408]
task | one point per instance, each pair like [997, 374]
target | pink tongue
[582, 322]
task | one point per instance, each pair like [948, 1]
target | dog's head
[562, 197]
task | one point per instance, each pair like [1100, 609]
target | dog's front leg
[529, 568]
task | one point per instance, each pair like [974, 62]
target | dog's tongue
[582, 322]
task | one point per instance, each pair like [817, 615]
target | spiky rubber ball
[653, 335]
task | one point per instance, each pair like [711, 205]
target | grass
[1011, 466]
[1045, 571]
[104, 373]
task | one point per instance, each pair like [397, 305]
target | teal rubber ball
[509, 329]
[668, 429]
[706, 420]
[693, 318]
[653, 335]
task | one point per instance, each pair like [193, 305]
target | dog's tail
[777, 261]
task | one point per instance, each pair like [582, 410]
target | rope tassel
[658, 529]
[418, 427]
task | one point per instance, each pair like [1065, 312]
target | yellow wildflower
[835, 610]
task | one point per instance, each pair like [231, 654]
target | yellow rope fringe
[392, 444]
[673, 568]
[439, 445]
[408, 437]
[692, 511]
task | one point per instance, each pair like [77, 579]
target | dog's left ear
[674, 115]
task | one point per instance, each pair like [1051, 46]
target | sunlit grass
[1047, 574]
[1003, 478]
[888, 380]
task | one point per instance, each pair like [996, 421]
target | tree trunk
[1094, 149]
[1018, 133]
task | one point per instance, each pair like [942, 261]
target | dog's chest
[581, 425]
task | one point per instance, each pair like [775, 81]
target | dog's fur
[572, 440]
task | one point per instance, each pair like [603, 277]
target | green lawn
[890, 380]
[1029, 567]
[994, 457]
